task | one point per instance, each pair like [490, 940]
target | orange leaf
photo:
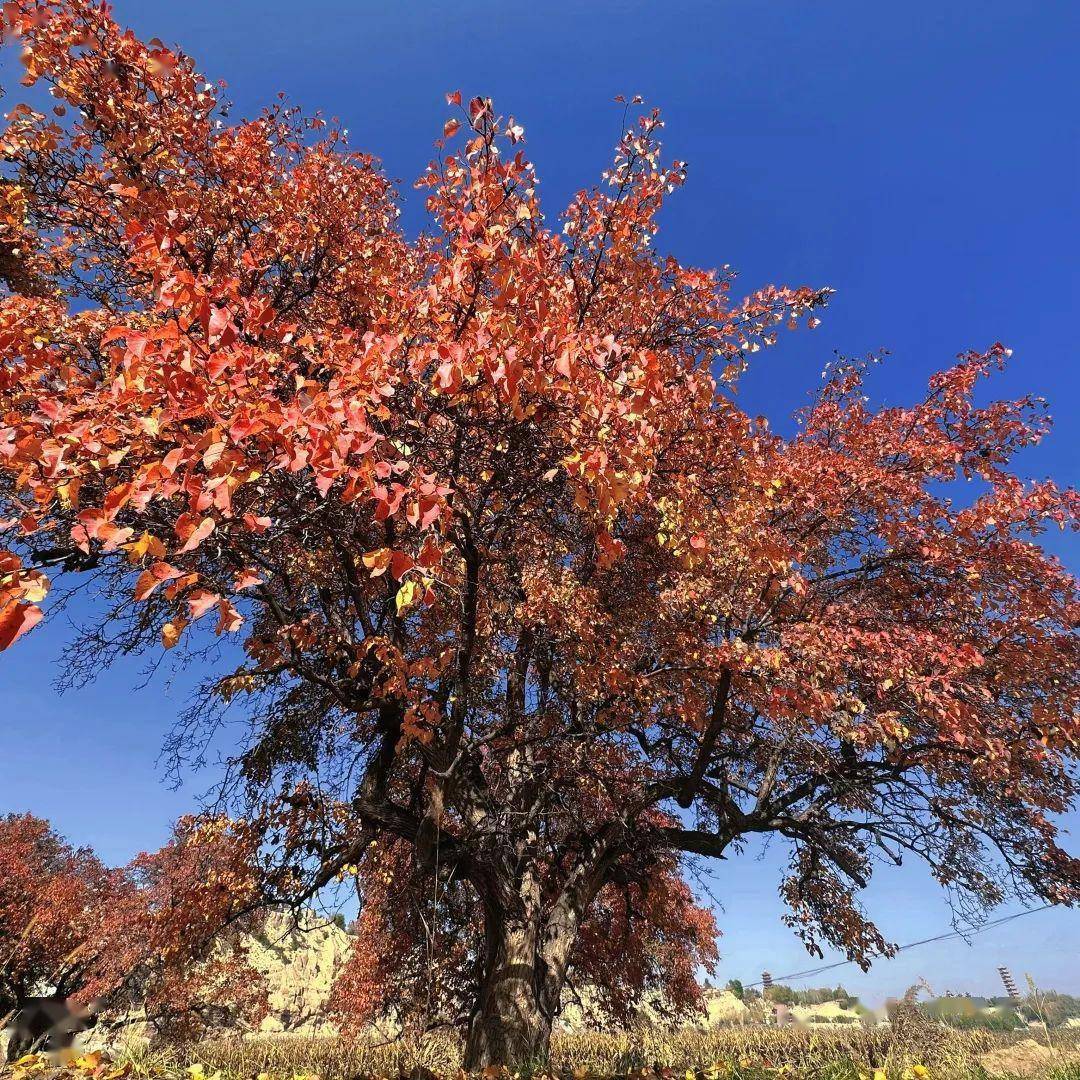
[246, 580]
[152, 577]
[16, 620]
[229, 619]
[193, 535]
[201, 602]
[378, 561]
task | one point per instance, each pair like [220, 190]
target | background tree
[516, 583]
[51, 897]
[171, 945]
[144, 941]
[779, 994]
[1057, 1008]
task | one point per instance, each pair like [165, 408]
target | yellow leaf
[69, 493]
[406, 594]
[145, 545]
[35, 588]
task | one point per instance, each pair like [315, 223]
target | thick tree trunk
[509, 1029]
[527, 952]
[518, 999]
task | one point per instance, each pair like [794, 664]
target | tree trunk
[518, 999]
[527, 954]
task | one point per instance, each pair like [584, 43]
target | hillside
[300, 960]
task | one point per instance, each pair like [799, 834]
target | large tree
[514, 581]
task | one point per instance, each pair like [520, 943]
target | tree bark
[527, 953]
[518, 999]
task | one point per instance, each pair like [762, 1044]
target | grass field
[916, 1051]
[912, 1048]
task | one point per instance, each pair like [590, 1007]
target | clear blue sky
[922, 159]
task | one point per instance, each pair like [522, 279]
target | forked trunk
[518, 999]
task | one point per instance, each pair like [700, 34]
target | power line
[910, 945]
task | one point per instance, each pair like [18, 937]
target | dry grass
[732, 1053]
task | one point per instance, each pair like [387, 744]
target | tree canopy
[513, 596]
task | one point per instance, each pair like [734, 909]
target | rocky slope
[300, 960]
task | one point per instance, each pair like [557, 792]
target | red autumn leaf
[15, 620]
[400, 564]
[219, 320]
[193, 532]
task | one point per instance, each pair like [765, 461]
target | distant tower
[1010, 988]
[766, 986]
[1010, 984]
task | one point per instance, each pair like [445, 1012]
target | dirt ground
[1027, 1058]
